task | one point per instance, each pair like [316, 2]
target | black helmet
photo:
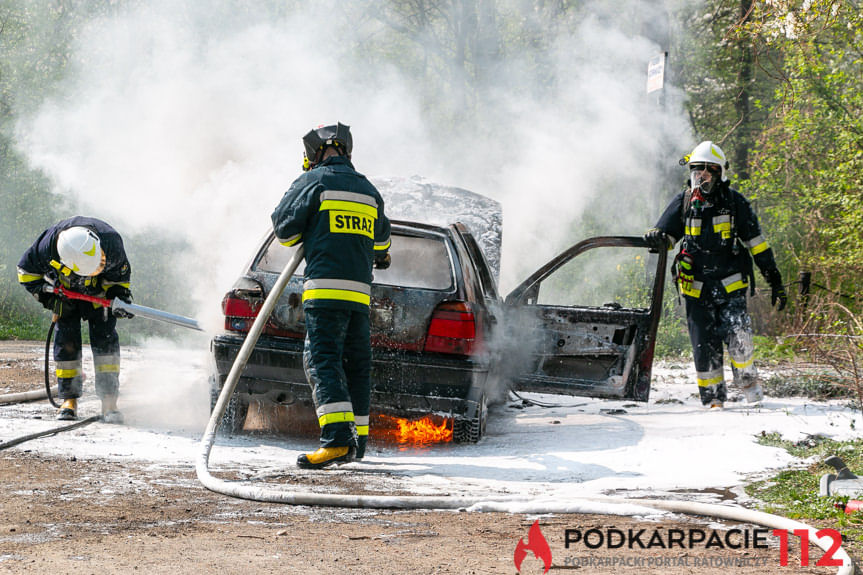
[322, 137]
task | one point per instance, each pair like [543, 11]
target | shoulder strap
[684, 210]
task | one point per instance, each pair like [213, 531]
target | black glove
[383, 263]
[48, 300]
[119, 292]
[122, 313]
[656, 240]
[777, 293]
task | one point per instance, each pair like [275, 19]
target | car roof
[416, 199]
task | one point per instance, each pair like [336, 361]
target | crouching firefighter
[338, 215]
[83, 255]
[720, 239]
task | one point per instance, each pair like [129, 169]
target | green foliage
[773, 349]
[794, 492]
[808, 161]
[672, 337]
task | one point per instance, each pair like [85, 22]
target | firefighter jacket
[721, 239]
[338, 215]
[41, 264]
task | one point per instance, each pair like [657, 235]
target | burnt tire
[471, 430]
[235, 413]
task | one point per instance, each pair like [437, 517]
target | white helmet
[710, 153]
[80, 250]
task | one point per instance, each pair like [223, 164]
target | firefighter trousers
[337, 360]
[713, 321]
[104, 342]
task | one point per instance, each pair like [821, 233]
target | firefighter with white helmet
[84, 255]
[720, 238]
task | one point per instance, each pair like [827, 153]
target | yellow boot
[325, 456]
[68, 411]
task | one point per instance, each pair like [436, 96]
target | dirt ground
[69, 515]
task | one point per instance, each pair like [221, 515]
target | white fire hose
[26, 395]
[514, 504]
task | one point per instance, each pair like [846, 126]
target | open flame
[423, 431]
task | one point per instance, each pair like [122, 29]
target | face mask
[703, 179]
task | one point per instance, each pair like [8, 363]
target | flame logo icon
[536, 543]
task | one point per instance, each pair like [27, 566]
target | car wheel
[235, 414]
[471, 430]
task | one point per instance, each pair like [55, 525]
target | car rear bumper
[403, 383]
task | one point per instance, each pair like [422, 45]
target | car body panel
[522, 343]
[598, 351]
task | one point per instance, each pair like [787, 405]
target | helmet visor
[704, 177]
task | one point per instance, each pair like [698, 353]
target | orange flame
[421, 431]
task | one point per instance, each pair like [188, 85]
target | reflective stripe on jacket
[41, 262]
[339, 217]
[710, 232]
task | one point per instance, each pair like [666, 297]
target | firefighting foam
[181, 125]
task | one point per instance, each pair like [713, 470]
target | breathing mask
[705, 178]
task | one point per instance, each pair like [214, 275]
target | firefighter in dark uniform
[720, 238]
[338, 215]
[84, 255]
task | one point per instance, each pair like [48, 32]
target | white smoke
[186, 120]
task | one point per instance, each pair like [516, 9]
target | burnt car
[444, 341]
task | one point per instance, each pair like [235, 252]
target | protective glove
[383, 263]
[48, 300]
[656, 240]
[777, 293]
[122, 313]
[119, 292]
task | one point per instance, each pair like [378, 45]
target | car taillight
[239, 313]
[452, 329]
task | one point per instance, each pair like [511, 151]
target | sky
[185, 121]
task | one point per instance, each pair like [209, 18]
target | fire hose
[112, 305]
[518, 504]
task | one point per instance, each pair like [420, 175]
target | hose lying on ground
[517, 504]
[26, 396]
[52, 431]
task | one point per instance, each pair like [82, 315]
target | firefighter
[720, 239]
[338, 215]
[84, 255]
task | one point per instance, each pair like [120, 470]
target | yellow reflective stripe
[693, 291]
[27, 278]
[734, 282]
[107, 284]
[383, 245]
[291, 240]
[350, 207]
[722, 225]
[108, 368]
[708, 379]
[337, 417]
[66, 373]
[362, 430]
[60, 267]
[693, 227]
[337, 294]
[755, 250]
[756, 245]
[742, 364]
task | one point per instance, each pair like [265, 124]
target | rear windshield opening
[417, 262]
